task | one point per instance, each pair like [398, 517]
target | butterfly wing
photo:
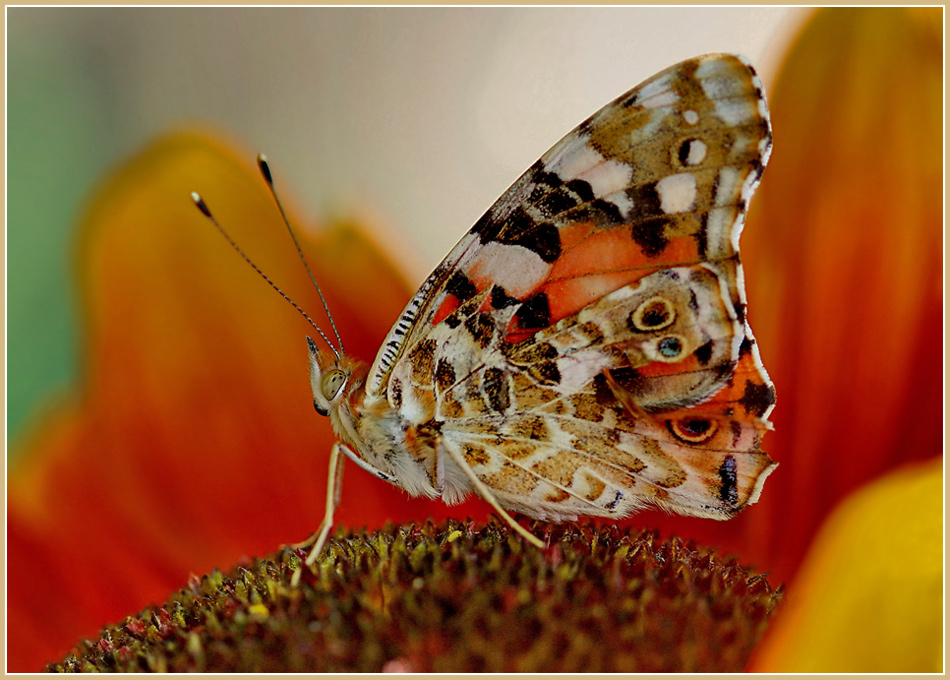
[643, 201]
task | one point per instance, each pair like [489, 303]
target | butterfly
[584, 349]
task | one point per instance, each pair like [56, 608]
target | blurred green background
[414, 120]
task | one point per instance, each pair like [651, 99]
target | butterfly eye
[693, 430]
[653, 315]
[332, 383]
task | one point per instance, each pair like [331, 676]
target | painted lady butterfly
[584, 349]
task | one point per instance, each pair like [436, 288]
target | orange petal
[193, 440]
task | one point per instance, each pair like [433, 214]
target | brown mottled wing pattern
[584, 347]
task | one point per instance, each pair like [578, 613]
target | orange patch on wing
[567, 296]
[681, 250]
[449, 305]
[597, 262]
[660, 368]
[588, 251]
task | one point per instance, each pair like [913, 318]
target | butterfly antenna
[207, 213]
[269, 178]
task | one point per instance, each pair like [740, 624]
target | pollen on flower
[446, 598]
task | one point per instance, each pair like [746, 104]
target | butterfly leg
[334, 490]
[485, 493]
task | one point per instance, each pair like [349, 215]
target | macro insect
[584, 349]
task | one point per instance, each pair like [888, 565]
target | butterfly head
[328, 379]
[334, 380]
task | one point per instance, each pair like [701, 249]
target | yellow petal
[869, 596]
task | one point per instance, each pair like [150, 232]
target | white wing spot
[623, 202]
[608, 177]
[677, 192]
[575, 161]
[765, 150]
[691, 117]
[718, 226]
[726, 186]
[748, 186]
[736, 111]
[659, 100]
[697, 152]
[514, 268]
[657, 93]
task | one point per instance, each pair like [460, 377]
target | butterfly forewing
[584, 348]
